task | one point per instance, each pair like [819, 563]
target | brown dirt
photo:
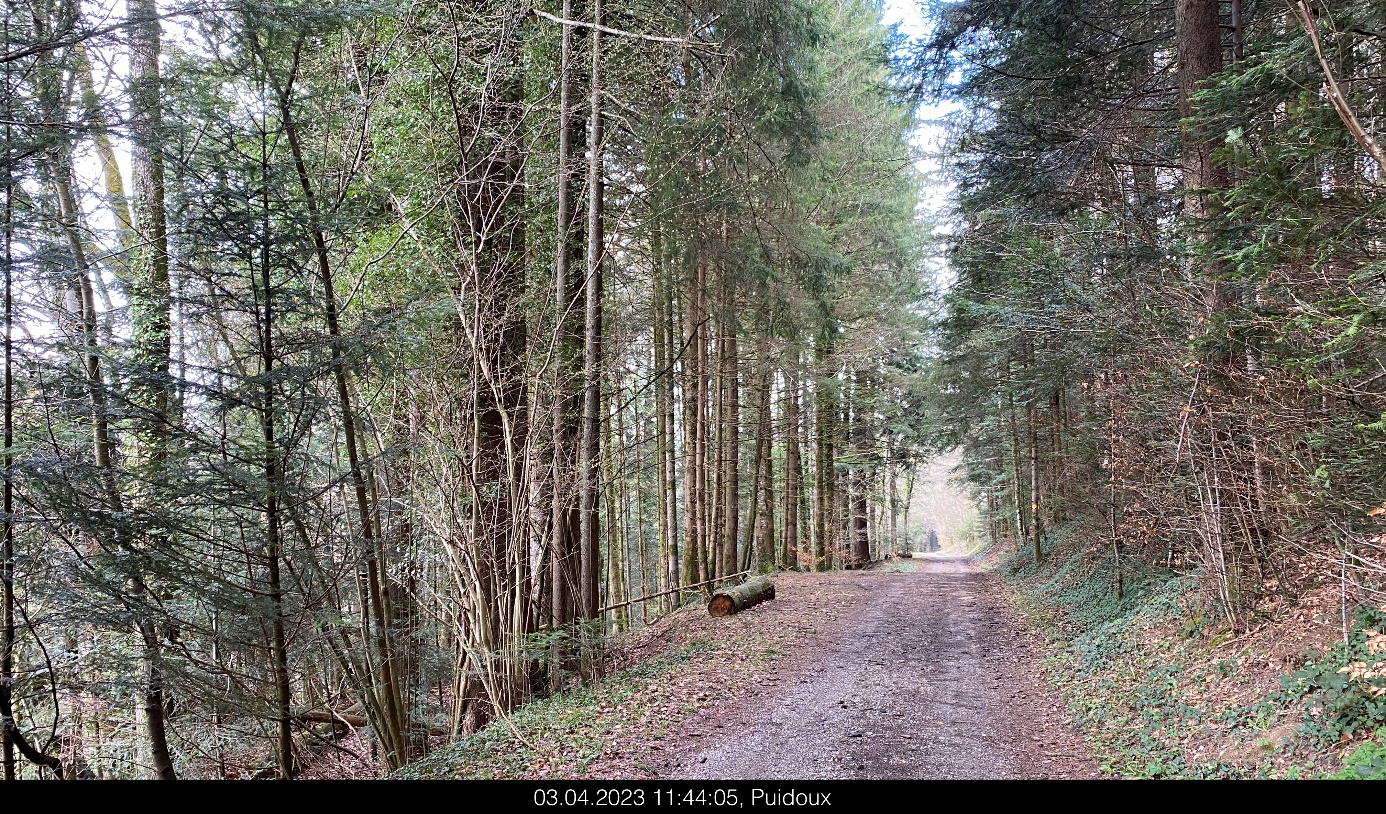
[868, 674]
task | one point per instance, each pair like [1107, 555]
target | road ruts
[911, 690]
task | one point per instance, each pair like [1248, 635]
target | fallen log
[740, 597]
[348, 718]
[325, 716]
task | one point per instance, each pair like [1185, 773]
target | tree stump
[740, 597]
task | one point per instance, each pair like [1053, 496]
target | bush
[1344, 690]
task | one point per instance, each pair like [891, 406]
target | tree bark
[1036, 525]
[590, 453]
[667, 492]
[730, 465]
[738, 598]
[151, 301]
[7, 607]
[793, 468]
[564, 533]
[825, 422]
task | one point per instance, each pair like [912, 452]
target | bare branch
[1335, 94]
[619, 33]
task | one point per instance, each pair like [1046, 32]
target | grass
[567, 731]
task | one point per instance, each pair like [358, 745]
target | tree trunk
[860, 544]
[892, 489]
[589, 553]
[692, 408]
[615, 510]
[150, 305]
[1036, 525]
[793, 469]
[1022, 534]
[825, 421]
[764, 524]
[909, 503]
[1198, 41]
[738, 598]
[731, 428]
[7, 608]
[701, 514]
[568, 299]
[667, 491]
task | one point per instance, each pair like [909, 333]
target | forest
[370, 368]
[370, 364]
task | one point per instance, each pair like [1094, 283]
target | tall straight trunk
[1198, 43]
[1022, 534]
[690, 392]
[825, 423]
[151, 297]
[568, 299]
[859, 550]
[7, 608]
[761, 526]
[492, 252]
[909, 502]
[151, 301]
[793, 468]
[659, 362]
[273, 542]
[731, 435]
[639, 527]
[615, 511]
[892, 490]
[750, 535]
[667, 491]
[1036, 524]
[717, 427]
[702, 518]
[1198, 46]
[592, 346]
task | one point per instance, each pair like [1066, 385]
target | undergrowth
[572, 727]
[1146, 687]
[1343, 690]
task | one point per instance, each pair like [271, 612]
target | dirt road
[928, 676]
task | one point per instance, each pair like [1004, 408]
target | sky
[927, 137]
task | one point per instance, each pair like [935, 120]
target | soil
[894, 674]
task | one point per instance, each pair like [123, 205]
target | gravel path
[932, 679]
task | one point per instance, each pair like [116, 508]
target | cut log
[904, 555]
[323, 716]
[740, 597]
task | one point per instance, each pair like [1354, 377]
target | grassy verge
[622, 725]
[564, 734]
[1161, 689]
